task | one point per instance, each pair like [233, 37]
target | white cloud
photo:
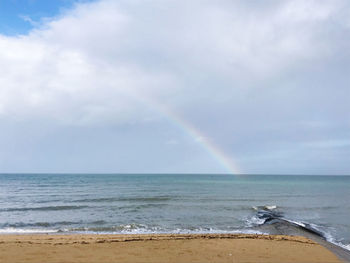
[90, 60]
[29, 20]
[231, 67]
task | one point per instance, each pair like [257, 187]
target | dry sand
[162, 248]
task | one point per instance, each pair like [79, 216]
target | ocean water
[149, 203]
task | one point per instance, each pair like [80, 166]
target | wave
[12, 230]
[143, 229]
[124, 199]
[265, 207]
[125, 229]
[43, 208]
[137, 208]
[49, 224]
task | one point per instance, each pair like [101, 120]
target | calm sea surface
[99, 203]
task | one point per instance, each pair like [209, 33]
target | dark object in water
[271, 217]
[276, 224]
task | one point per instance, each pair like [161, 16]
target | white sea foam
[347, 247]
[142, 229]
[332, 240]
[253, 221]
[271, 207]
[296, 222]
[12, 230]
[265, 207]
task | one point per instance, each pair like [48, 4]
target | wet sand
[162, 248]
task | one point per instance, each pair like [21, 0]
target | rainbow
[213, 150]
[226, 162]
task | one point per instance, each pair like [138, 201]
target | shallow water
[99, 203]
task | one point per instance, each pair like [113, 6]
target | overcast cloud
[91, 90]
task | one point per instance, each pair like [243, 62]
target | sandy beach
[162, 248]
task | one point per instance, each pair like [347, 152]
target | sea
[172, 203]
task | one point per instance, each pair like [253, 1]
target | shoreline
[162, 248]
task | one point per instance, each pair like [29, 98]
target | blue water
[99, 203]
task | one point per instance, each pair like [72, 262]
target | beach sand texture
[162, 248]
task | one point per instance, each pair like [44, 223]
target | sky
[175, 86]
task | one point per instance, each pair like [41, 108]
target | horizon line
[158, 173]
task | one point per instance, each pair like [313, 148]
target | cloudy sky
[175, 86]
